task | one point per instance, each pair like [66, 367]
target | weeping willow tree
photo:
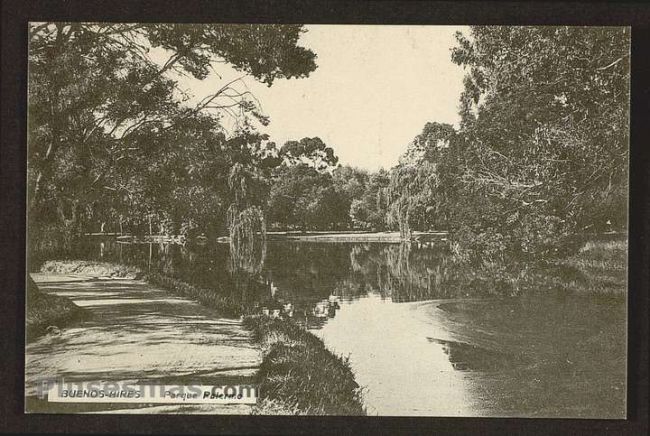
[400, 196]
[412, 192]
[246, 223]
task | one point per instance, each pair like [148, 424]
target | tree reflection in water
[308, 276]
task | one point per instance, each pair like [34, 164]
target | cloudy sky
[373, 91]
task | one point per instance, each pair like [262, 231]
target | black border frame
[15, 16]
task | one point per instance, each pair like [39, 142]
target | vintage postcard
[327, 219]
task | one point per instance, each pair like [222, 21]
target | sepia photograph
[319, 219]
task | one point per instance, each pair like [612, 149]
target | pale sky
[374, 89]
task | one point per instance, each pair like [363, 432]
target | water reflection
[402, 372]
[306, 275]
[469, 357]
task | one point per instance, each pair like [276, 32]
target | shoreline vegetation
[351, 236]
[306, 236]
[600, 267]
[91, 268]
[299, 375]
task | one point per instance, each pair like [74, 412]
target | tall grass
[91, 268]
[604, 255]
[299, 375]
[599, 267]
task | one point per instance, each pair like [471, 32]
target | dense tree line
[540, 152]
[339, 198]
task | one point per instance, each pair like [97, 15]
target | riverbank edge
[298, 374]
[359, 236]
[45, 311]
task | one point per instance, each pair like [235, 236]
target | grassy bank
[596, 268]
[45, 311]
[299, 375]
[599, 267]
[601, 256]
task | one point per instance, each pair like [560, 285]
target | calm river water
[418, 342]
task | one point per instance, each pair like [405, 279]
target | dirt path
[138, 333]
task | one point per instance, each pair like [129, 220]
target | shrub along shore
[298, 374]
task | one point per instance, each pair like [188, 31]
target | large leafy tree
[368, 210]
[545, 117]
[433, 141]
[305, 195]
[309, 151]
[303, 198]
[112, 134]
[421, 192]
[542, 147]
[412, 191]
